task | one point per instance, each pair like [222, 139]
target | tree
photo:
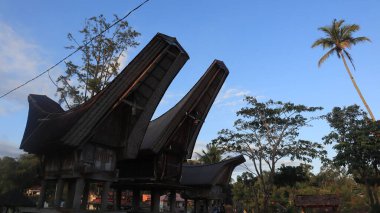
[266, 133]
[357, 144]
[290, 175]
[338, 38]
[245, 192]
[212, 154]
[100, 60]
[18, 174]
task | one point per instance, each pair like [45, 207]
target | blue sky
[265, 45]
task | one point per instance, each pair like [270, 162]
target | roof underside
[210, 174]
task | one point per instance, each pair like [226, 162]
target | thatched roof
[210, 174]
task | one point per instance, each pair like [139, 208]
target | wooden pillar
[136, 200]
[196, 206]
[172, 199]
[79, 186]
[106, 189]
[86, 191]
[155, 200]
[58, 192]
[207, 205]
[117, 199]
[185, 207]
[41, 199]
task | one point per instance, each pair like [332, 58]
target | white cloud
[123, 60]
[199, 146]
[231, 97]
[20, 60]
[8, 149]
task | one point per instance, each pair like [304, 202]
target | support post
[155, 201]
[136, 200]
[185, 207]
[117, 201]
[172, 198]
[79, 186]
[86, 191]
[58, 192]
[196, 206]
[41, 199]
[106, 189]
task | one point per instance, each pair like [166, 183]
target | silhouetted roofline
[203, 93]
[210, 174]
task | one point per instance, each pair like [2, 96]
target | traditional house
[83, 144]
[111, 140]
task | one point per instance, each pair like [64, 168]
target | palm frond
[360, 39]
[325, 56]
[349, 29]
[326, 30]
[338, 24]
[324, 42]
[349, 58]
[337, 51]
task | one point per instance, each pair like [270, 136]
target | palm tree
[338, 39]
[212, 154]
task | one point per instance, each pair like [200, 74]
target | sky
[265, 44]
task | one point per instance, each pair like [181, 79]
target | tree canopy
[18, 174]
[356, 140]
[212, 154]
[102, 51]
[266, 132]
[290, 175]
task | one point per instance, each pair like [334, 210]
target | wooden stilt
[106, 189]
[41, 199]
[172, 200]
[58, 192]
[117, 198]
[155, 201]
[79, 186]
[86, 191]
[185, 207]
[136, 200]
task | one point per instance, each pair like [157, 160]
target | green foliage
[267, 132]
[100, 59]
[356, 140]
[18, 174]
[212, 154]
[330, 180]
[290, 175]
[246, 192]
[338, 38]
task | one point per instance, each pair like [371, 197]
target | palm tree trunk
[357, 89]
